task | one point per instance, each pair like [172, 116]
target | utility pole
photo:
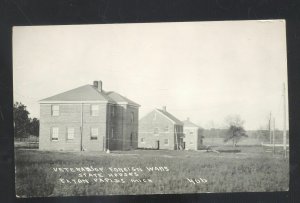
[81, 127]
[284, 122]
[273, 136]
[270, 120]
[176, 137]
[107, 134]
[107, 151]
[212, 129]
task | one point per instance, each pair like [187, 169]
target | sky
[206, 71]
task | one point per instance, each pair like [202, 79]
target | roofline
[138, 106]
[72, 102]
[167, 117]
[190, 126]
[126, 103]
[145, 115]
[80, 102]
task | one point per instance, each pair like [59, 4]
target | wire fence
[27, 139]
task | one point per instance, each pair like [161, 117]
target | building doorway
[131, 139]
[157, 144]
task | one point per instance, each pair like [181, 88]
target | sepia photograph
[150, 108]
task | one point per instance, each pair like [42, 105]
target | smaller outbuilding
[159, 129]
[193, 135]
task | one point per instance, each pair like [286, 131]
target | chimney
[98, 85]
[164, 108]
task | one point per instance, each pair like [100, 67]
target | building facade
[193, 135]
[88, 119]
[160, 130]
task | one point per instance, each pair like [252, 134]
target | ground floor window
[142, 140]
[166, 141]
[94, 133]
[70, 133]
[54, 134]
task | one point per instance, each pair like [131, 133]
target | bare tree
[235, 129]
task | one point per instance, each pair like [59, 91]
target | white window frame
[165, 142]
[69, 132]
[92, 135]
[94, 112]
[55, 110]
[56, 137]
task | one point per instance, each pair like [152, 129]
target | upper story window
[54, 134]
[95, 110]
[55, 110]
[167, 129]
[131, 117]
[94, 133]
[70, 133]
[154, 117]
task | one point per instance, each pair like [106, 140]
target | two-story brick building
[88, 118]
[193, 135]
[160, 130]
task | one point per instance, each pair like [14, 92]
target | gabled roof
[83, 93]
[119, 98]
[170, 116]
[89, 93]
[188, 123]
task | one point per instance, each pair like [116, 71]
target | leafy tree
[21, 120]
[34, 127]
[235, 129]
[24, 126]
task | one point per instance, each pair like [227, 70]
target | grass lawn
[43, 173]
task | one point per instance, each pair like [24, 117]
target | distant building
[193, 135]
[88, 118]
[160, 130]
